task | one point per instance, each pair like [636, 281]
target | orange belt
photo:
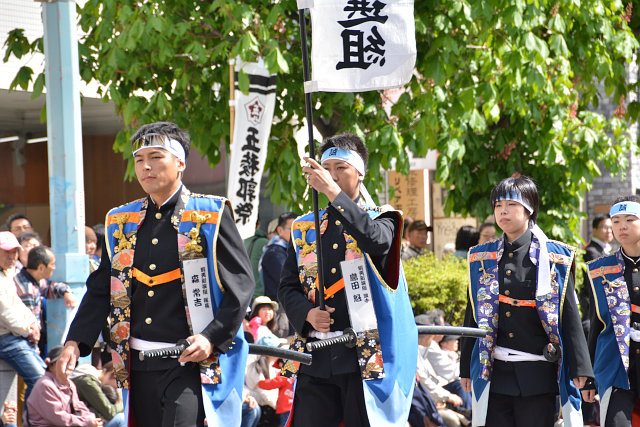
[517, 302]
[328, 292]
[156, 280]
[635, 308]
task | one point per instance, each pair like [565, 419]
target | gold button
[507, 292]
[508, 314]
[333, 270]
[338, 222]
[154, 241]
[508, 272]
[151, 293]
[635, 270]
[147, 320]
[158, 215]
[636, 289]
[637, 350]
[335, 246]
[510, 254]
[152, 266]
[511, 335]
[332, 321]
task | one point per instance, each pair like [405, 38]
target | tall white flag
[360, 45]
[254, 115]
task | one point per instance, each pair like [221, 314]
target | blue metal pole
[66, 180]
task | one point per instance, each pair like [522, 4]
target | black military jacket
[520, 328]
[158, 312]
[375, 238]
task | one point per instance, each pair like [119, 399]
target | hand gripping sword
[262, 350]
[348, 338]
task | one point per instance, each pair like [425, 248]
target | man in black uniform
[147, 290]
[331, 389]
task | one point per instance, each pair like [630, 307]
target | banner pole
[232, 99]
[308, 101]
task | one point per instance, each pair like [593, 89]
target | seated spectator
[444, 364]
[466, 237]
[19, 223]
[55, 404]
[251, 411]
[486, 232]
[18, 327]
[28, 240]
[263, 321]
[284, 386]
[423, 412]
[434, 383]
[90, 246]
[9, 247]
[96, 389]
[261, 368]
[9, 414]
[32, 286]
[418, 236]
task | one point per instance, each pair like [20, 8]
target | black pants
[325, 402]
[518, 411]
[620, 408]
[168, 398]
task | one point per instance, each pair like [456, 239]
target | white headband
[625, 208]
[349, 156]
[154, 140]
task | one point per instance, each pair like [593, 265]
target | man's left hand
[200, 349]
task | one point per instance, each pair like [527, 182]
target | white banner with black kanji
[360, 45]
[254, 114]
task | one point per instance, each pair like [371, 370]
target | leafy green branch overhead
[500, 87]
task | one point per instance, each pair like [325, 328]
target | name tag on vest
[196, 284]
[358, 293]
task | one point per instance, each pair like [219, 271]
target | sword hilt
[165, 352]
[348, 338]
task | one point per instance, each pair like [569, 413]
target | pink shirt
[53, 404]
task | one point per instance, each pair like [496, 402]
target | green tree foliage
[438, 284]
[502, 87]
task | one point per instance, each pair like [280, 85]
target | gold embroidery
[195, 232]
[302, 242]
[123, 243]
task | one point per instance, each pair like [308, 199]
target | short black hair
[169, 129]
[523, 185]
[15, 217]
[28, 235]
[466, 237]
[598, 219]
[39, 255]
[347, 141]
[284, 217]
[629, 198]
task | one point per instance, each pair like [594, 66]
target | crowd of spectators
[26, 270]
